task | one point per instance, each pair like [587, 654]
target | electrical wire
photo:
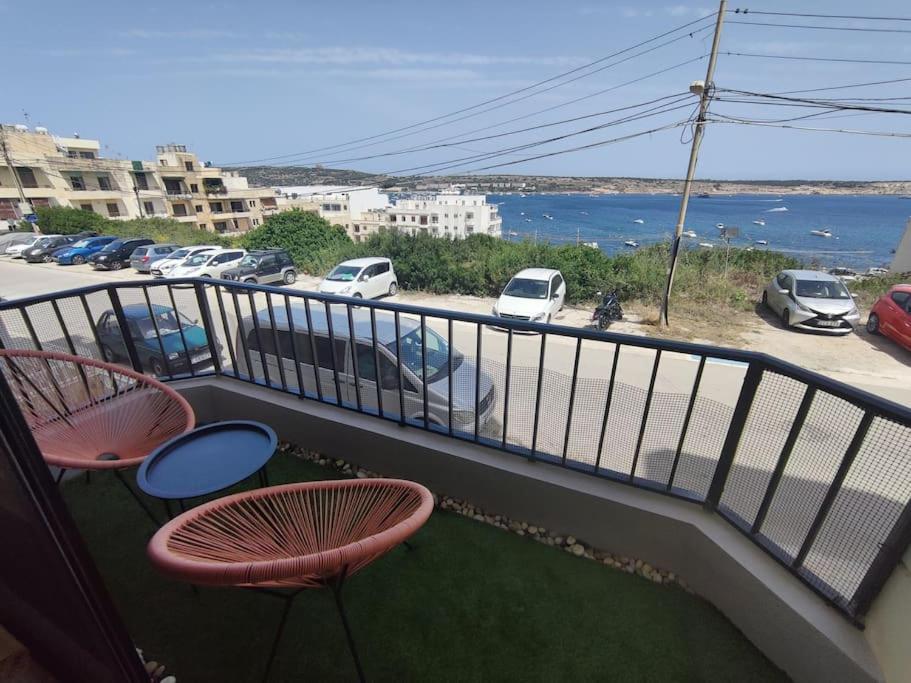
[491, 100]
[816, 16]
[824, 103]
[845, 86]
[816, 59]
[747, 122]
[859, 29]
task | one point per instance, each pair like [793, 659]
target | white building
[901, 263]
[338, 204]
[446, 215]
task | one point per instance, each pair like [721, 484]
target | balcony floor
[472, 602]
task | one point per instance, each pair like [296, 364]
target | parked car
[77, 253]
[43, 249]
[846, 274]
[891, 315]
[116, 254]
[533, 294]
[436, 354]
[210, 263]
[15, 249]
[264, 266]
[367, 278]
[811, 300]
[176, 258]
[143, 258]
[170, 324]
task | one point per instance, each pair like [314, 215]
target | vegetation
[471, 603]
[60, 220]
[312, 242]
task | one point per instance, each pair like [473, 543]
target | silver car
[262, 346]
[810, 300]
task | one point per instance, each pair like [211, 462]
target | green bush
[61, 220]
[314, 244]
[164, 230]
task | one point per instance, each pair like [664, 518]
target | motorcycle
[607, 311]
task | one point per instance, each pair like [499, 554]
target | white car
[810, 300]
[208, 263]
[366, 278]
[15, 250]
[533, 294]
[175, 258]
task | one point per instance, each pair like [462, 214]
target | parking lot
[872, 363]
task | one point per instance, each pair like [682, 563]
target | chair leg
[88, 477]
[278, 635]
[136, 497]
[337, 593]
[59, 476]
[408, 545]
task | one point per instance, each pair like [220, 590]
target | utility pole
[705, 95]
[9, 162]
[138, 201]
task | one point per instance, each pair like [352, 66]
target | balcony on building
[214, 186]
[609, 506]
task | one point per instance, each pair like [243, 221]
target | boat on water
[639, 221]
[759, 222]
[825, 232]
[528, 220]
[720, 226]
[584, 213]
[762, 242]
[777, 209]
[521, 213]
[707, 245]
[522, 194]
[631, 243]
[876, 271]
[513, 233]
[593, 245]
[547, 216]
[689, 233]
[703, 195]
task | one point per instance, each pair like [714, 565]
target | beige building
[340, 205]
[70, 172]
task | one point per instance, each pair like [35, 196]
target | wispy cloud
[87, 52]
[630, 12]
[190, 34]
[381, 56]
[687, 11]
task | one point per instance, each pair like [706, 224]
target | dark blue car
[177, 359]
[78, 253]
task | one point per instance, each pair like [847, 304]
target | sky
[304, 81]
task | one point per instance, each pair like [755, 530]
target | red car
[891, 315]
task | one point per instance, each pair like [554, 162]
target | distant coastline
[533, 184]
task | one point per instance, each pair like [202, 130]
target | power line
[747, 122]
[817, 16]
[822, 28]
[838, 104]
[488, 101]
[817, 59]
[842, 87]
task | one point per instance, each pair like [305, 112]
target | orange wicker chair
[90, 415]
[297, 536]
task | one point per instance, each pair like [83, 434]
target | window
[180, 210]
[173, 186]
[901, 298]
[202, 226]
[215, 207]
[434, 219]
[392, 219]
[412, 219]
[336, 207]
[237, 207]
[469, 215]
[423, 220]
[555, 284]
[324, 352]
[86, 155]
[252, 202]
[149, 208]
[188, 165]
[104, 183]
[76, 182]
[27, 177]
[163, 162]
[194, 188]
[198, 208]
[113, 209]
[469, 228]
[782, 281]
[221, 226]
[86, 207]
[255, 221]
[142, 182]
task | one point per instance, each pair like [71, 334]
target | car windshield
[437, 354]
[198, 260]
[180, 253]
[344, 273]
[822, 289]
[166, 321]
[82, 243]
[140, 251]
[249, 261]
[113, 246]
[526, 289]
[44, 241]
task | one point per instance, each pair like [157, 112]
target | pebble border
[570, 544]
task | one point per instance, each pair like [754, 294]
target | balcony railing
[815, 472]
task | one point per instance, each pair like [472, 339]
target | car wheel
[116, 265]
[393, 288]
[78, 260]
[206, 275]
[107, 354]
[290, 277]
[765, 299]
[873, 324]
[48, 258]
[157, 367]
[250, 281]
[357, 295]
[786, 318]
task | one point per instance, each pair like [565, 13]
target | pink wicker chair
[298, 536]
[90, 415]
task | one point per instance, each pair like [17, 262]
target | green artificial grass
[470, 603]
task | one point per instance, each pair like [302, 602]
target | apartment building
[212, 199]
[353, 208]
[447, 214]
[69, 171]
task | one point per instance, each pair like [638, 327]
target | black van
[116, 255]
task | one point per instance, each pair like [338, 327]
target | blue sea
[865, 229]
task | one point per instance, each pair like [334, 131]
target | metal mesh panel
[877, 488]
[47, 328]
[224, 324]
[13, 331]
[823, 440]
[80, 327]
[702, 445]
[764, 434]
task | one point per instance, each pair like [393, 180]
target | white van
[367, 278]
[251, 349]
